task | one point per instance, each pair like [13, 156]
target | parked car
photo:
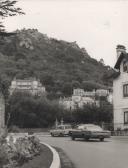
[61, 130]
[89, 131]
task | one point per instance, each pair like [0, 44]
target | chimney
[120, 49]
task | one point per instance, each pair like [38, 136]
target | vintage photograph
[63, 84]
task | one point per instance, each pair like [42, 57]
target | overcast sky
[97, 25]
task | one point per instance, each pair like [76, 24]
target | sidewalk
[42, 134]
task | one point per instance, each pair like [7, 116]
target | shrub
[14, 129]
[16, 153]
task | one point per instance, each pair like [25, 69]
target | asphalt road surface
[112, 153]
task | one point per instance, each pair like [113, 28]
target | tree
[47, 79]
[89, 85]
[27, 111]
[7, 8]
[94, 114]
[67, 88]
[4, 85]
[76, 84]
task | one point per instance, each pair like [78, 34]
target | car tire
[61, 135]
[52, 134]
[73, 138]
[70, 133]
[86, 139]
[101, 139]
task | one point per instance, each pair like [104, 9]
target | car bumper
[99, 136]
[90, 135]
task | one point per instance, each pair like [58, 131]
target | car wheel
[102, 139]
[73, 138]
[86, 139]
[61, 135]
[70, 133]
[52, 134]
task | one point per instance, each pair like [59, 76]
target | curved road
[112, 153]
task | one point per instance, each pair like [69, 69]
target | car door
[60, 130]
[86, 132]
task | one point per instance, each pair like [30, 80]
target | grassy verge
[43, 160]
[65, 161]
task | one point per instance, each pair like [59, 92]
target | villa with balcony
[32, 86]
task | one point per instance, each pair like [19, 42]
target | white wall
[120, 103]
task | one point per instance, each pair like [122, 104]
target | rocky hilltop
[60, 65]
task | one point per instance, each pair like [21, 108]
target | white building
[81, 98]
[30, 85]
[102, 92]
[98, 92]
[120, 89]
[78, 99]
[110, 97]
[67, 103]
[81, 92]
[74, 102]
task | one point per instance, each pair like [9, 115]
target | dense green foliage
[15, 154]
[7, 8]
[60, 65]
[30, 112]
[93, 114]
[36, 112]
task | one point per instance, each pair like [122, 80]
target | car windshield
[64, 127]
[60, 127]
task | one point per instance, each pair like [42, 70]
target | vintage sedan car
[61, 130]
[89, 131]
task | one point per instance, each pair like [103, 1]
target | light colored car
[89, 131]
[61, 130]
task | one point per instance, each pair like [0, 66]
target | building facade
[120, 90]
[80, 98]
[27, 85]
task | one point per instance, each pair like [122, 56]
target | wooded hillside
[60, 65]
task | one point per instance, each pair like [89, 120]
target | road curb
[56, 159]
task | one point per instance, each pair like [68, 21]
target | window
[68, 127]
[61, 127]
[125, 67]
[125, 90]
[126, 117]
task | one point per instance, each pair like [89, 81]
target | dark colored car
[89, 131]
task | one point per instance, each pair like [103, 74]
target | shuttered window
[125, 66]
[125, 90]
[126, 117]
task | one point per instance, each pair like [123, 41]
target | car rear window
[67, 127]
[90, 127]
[94, 128]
